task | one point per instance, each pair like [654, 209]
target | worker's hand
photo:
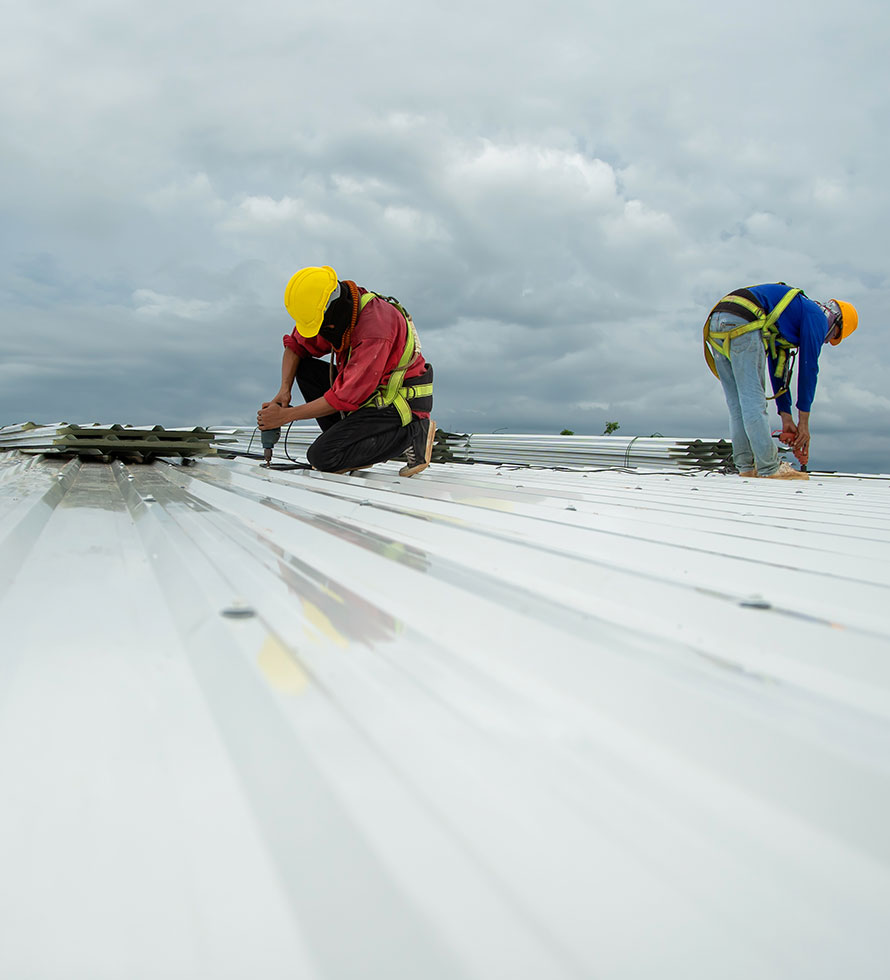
[282, 398]
[270, 416]
[789, 430]
[801, 443]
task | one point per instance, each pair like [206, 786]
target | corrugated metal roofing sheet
[142, 443]
[486, 722]
[529, 450]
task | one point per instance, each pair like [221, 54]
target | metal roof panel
[485, 722]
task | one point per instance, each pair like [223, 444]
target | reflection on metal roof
[486, 722]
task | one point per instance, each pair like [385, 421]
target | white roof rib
[486, 722]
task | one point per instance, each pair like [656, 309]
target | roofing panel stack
[520, 450]
[584, 451]
[114, 441]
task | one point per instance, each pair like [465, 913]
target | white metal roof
[487, 722]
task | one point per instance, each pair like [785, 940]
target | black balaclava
[337, 318]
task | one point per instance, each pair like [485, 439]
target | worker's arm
[783, 401]
[289, 361]
[273, 416]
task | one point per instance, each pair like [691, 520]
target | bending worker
[373, 403]
[769, 324]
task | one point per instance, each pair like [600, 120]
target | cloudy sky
[558, 192]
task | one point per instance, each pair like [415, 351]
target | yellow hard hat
[849, 321]
[307, 296]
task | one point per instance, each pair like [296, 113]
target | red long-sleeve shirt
[378, 341]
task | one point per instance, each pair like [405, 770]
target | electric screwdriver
[269, 437]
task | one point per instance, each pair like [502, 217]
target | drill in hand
[801, 455]
[269, 437]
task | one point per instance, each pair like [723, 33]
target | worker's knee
[322, 459]
[331, 455]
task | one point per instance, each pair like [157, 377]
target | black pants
[365, 436]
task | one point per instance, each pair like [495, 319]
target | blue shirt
[804, 324]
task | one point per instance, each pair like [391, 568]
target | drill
[269, 437]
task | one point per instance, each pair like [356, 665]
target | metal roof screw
[570, 507]
[756, 603]
[238, 610]
[149, 499]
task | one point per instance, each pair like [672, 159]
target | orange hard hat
[849, 320]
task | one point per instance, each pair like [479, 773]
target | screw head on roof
[238, 610]
[755, 602]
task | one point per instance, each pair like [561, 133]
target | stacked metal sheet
[574, 452]
[583, 451]
[521, 450]
[114, 441]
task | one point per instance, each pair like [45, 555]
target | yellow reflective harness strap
[764, 322]
[394, 392]
[720, 340]
[772, 340]
[706, 343]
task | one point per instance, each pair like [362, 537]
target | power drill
[269, 437]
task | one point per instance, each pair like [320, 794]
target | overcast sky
[557, 192]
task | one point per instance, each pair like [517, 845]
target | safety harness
[394, 391]
[742, 302]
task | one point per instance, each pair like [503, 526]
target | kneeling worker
[770, 324]
[374, 402]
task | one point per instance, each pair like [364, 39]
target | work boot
[420, 450]
[748, 472]
[786, 472]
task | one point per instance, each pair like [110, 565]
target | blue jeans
[743, 387]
